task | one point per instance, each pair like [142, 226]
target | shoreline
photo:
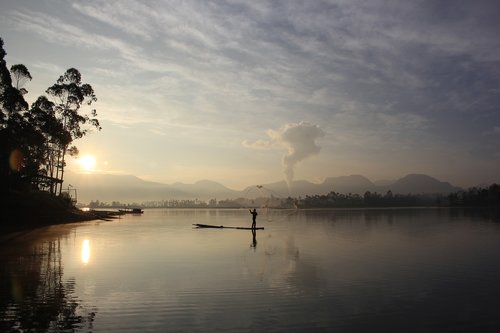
[23, 211]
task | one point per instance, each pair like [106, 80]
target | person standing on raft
[254, 217]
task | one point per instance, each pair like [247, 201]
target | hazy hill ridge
[129, 188]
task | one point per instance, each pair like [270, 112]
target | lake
[390, 270]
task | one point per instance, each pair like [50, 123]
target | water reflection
[254, 239]
[322, 270]
[85, 251]
[34, 296]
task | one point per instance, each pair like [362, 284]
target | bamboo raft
[199, 225]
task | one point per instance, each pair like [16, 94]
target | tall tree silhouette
[20, 75]
[43, 116]
[70, 94]
[34, 141]
[16, 133]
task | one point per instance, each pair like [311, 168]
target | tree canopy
[34, 140]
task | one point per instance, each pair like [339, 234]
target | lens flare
[16, 160]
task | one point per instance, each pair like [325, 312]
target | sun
[87, 162]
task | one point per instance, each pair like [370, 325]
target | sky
[252, 92]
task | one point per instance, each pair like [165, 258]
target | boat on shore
[131, 211]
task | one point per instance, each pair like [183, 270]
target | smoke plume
[300, 140]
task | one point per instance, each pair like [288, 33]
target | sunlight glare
[85, 251]
[87, 162]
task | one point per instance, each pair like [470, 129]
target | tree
[12, 102]
[70, 94]
[20, 75]
[34, 141]
[16, 132]
[43, 117]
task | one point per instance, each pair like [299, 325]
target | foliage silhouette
[34, 141]
[474, 197]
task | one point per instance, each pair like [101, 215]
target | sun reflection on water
[85, 251]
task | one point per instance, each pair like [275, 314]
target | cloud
[381, 75]
[131, 16]
[259, 144]
[492, 131]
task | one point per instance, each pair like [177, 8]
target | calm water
[406, 270]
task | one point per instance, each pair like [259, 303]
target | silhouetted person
[254, 217]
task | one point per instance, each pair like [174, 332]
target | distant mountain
[417, 183]
[281, 189]
[129, 189]
[126, 188]
[343, 184]
[203, 189]
[349, 184]
[384, 182]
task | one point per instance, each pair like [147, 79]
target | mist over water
[412, 270]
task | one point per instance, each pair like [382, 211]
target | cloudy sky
[248, 92]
